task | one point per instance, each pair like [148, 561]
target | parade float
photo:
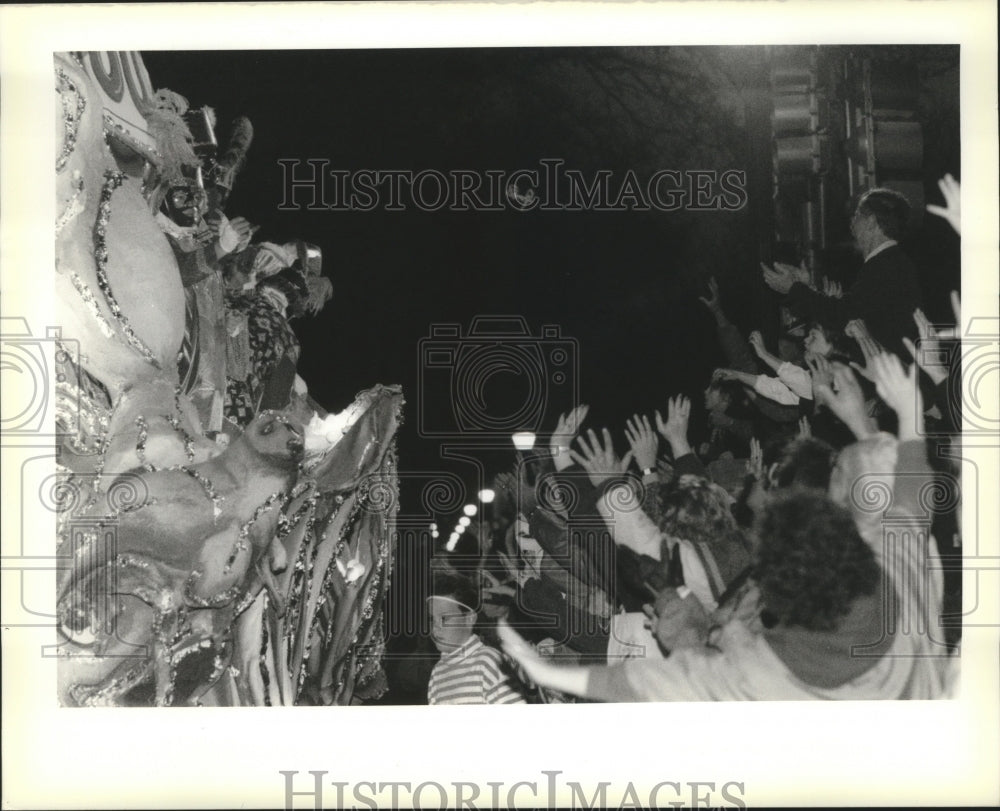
[203, 561]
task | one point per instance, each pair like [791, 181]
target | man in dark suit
[887, 290]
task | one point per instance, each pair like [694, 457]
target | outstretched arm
[618, 505]
[757, 342]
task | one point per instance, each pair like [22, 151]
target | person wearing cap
[469, 671]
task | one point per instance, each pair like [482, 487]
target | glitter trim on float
[112, 180]
[72, 115]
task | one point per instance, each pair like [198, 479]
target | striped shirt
[471, 674]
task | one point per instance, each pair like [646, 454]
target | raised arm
[757, 342]
[734, 345]
[687, 675]
[841, 393]
[952, 209]
[620, 505]
[566, 428]
[644, 443]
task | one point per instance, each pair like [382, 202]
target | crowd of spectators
[829, 569]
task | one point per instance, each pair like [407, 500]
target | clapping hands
[781, 277]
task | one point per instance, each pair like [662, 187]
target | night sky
[622, 285]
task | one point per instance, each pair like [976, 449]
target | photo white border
[898, 753]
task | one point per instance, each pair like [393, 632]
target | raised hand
[781, 277]
[599, 460]
[832, 289]
[567, 427]
[846, 400]
[930, 339]
[952, 210]
[820, 371]
[778, 280]
[643, 441]
[712, 300]
[805, 429]
[858, 330]
[675, 429]
[898, 388]
[243, 230]
[757, 342]
[725, 374]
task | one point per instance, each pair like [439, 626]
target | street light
[464, 521]
[460, 529]
[487, 496]
[434, 533]
[453, 538]
[433, 527]
[470, 510]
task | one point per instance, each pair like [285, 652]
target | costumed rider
[261, 348]
[199, 237]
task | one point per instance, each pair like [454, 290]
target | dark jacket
[885, 295]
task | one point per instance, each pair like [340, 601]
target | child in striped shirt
[469, 672]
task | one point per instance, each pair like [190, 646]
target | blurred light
[452, 543]
[523, 440]
[453, 538]
[463, 521]
[470, 510]
[434, 533]
[434, 526]
[460, 529]
[487, 496]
